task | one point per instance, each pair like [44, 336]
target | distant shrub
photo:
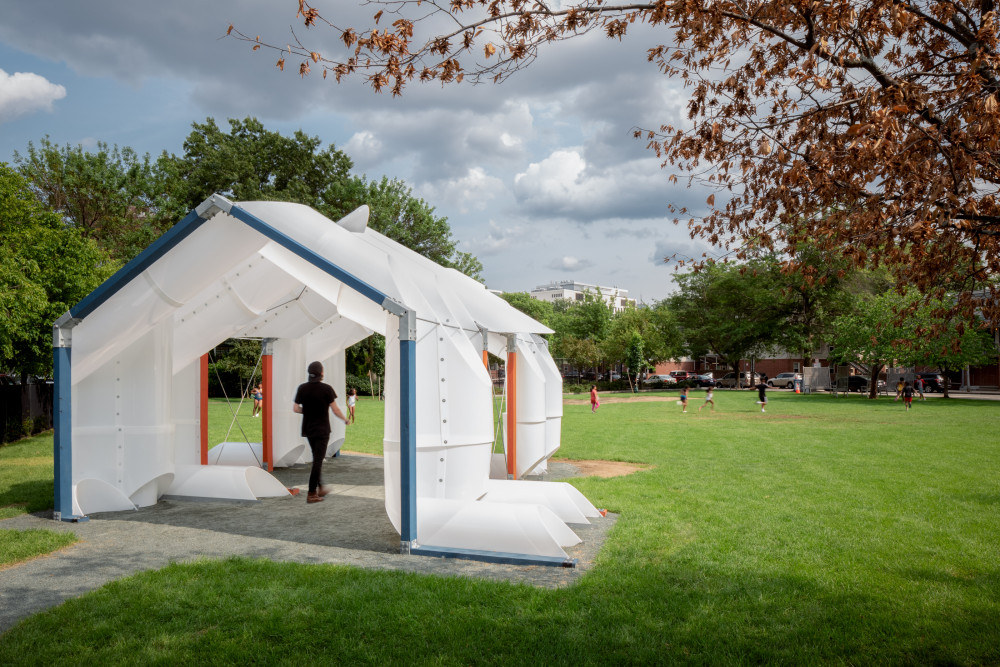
[360, 384]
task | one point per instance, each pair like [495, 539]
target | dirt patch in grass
[604, 468]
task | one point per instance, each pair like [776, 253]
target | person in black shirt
[762, 395]
[907, 394]
[314, 400]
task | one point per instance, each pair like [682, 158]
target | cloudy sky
[539, 177]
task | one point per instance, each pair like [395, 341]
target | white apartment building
[571, 290]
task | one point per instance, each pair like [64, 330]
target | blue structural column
[62, 418]
[408, 429]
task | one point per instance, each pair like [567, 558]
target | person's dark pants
[318, 447]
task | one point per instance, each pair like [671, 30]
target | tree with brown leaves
[868, 128]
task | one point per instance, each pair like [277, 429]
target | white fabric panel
[217, 246]
[527, 529]
[150, 492]
[228, 482]
[121, 320]
[337, 368]
[327, 239]
[294, 315]
[563, 499]
[236, 454]
[288, 367]
[349, 303]
[185, 413]
[94, 495]
[553, 397]
[123, 434]
[530, 407]
[390, 426]
[478, 305]
[237, 304]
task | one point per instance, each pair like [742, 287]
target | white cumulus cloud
[496, 239]
[568, 263]
[23, 93]
[469, 192]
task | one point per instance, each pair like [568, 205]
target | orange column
[511, 411]
[203, 413]
[266, 410]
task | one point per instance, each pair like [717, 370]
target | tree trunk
[876, 370]
[947, 382]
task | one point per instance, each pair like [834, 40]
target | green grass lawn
[828, 530]
[26, 486]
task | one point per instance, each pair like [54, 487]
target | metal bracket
[408, 325]
[62, 330]
[214, 204]
[267, 346]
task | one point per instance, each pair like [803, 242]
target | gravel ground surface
[350, 527]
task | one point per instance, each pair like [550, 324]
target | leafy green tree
[578, 321]
[589, 318]
[111, 195]
[870, 335]
[581, 352]
[735, 311]
[935, 336]
[251, 163]
[911, 330]
[236, 364]
[815, 293]
[634, 358]
[366, 359]
[45, 267]
[657, 330]
[534, 308]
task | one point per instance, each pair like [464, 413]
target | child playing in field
[684, 399]
[762, 396]
[907, 395]
[899, 388]
[595, 402]
[258, 401]
[352, 398]
[708, 399]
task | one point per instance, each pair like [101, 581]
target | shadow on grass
[679, 612]
[695, 612]
[27, 497]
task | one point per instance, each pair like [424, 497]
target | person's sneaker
[324, 490]
[314, 498]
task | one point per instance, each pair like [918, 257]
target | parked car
[681, 375]
[786, 380]
[659, 379]
[571, 376]
[703, 380]
[611, 376]
[861, 383]
[934, 382]
[729, 380]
